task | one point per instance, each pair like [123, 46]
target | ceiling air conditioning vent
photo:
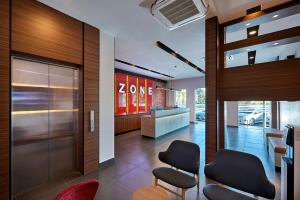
[175, 13]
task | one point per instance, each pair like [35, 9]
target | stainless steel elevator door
[44, 114]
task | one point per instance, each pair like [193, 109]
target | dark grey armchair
[238, 170]
[183, 156]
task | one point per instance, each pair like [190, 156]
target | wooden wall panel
[272, 81]
[4, 99]
[91, 97]
[126, 123]
[211, 52]
[40, 30]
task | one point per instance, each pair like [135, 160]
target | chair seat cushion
[216, 192]
[174, 177]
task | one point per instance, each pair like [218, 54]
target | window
[180, 98]
[200, 104]
[255, 113]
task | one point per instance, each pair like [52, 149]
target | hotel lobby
[149, 99]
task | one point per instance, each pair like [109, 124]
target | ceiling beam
[178, 56]
[270, 37]
[143, 68]
[266, 15]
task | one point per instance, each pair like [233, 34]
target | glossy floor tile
[136, 156]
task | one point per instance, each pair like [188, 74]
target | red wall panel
[132, 95]
[142, 95]
[120, 93]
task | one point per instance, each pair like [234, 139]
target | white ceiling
[135, 32]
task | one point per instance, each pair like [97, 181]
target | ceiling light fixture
[251, 57]
[276, 43]
[252, 32]
[253, 10]
[248, 24]
[275, 16]
[170, 88]
[248, 49]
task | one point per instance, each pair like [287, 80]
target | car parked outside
[256, 117]
[200, 115]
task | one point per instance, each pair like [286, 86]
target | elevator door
[44, 117]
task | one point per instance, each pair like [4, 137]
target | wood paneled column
[4, 99]
[211, 85]
[91, 97]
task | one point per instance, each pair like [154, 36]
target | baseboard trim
[121, 133]
[107, 163]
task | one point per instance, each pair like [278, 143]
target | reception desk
[161, 122]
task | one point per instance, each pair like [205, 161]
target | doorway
[200, 104]
[44, 123]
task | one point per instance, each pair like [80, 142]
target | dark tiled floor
[137, 156]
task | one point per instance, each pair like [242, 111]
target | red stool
[82, 191]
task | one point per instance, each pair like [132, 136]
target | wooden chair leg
[155, 181]
[183, 194]
[198, 183]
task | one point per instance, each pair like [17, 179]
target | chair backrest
[242, 171]
[82, 191]
[182, 155]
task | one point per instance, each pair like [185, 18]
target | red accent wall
[120, 93]
[135, 94]
[142, 95]
[132, 94]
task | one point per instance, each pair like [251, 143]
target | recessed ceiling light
[248, 49]
[276, 43]
[274, 16]
[252, 32]
[248, 24]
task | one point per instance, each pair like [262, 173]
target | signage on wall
[132, 94]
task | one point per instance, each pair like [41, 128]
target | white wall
[231, 113]
[190, 84]
[107, 51]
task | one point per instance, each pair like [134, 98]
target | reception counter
[161, 122]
